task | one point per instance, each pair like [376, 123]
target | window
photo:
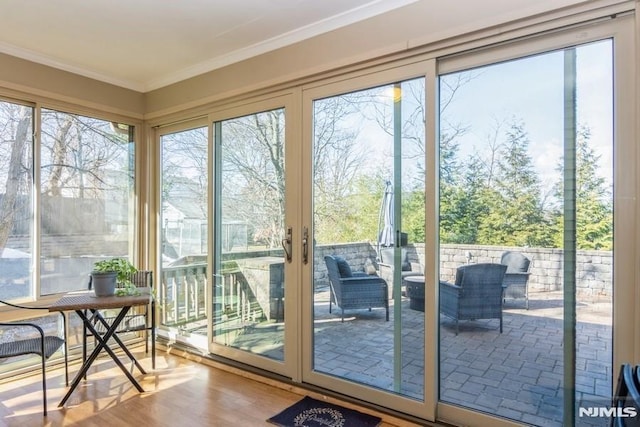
[85, 186]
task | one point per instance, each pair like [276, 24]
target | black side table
[414, 286]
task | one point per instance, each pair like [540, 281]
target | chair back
[142, 279]
[481, 281]
[332, 270]
[515, 262]
[387, 257]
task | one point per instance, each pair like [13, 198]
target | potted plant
[108, 272]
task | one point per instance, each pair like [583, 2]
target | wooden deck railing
[182, 296]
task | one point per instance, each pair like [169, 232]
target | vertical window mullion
[36, 200]
[569, 245]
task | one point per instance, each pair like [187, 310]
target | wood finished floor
[179, 392]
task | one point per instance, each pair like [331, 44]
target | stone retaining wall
[594, 268]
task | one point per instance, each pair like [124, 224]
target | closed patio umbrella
[386, 235]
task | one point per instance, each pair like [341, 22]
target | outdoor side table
[83, 301]
[414, 286]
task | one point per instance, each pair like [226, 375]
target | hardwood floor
[180, 392]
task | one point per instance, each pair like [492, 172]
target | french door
[365, 159]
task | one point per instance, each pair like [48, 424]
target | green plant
[123, 268]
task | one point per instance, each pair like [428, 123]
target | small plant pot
[104, 283]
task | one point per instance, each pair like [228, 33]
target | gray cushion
[343, 267]
[369, 267]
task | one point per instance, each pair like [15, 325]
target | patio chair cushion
[370, 268]
[343, 267]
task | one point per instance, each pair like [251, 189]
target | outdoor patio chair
[143, 319]
[476, 294]
[357, 290]
[37, 342]
[517, 276]
[385, 266]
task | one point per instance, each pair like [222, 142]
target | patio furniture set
[479, 290]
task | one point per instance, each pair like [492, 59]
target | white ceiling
[147, 44]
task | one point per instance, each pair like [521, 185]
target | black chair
[476, 294]
[626, 401]
[42, 345]
[351, 290]
[143, 319]
[516, 278]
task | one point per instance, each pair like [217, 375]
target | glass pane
[502, 139]
[184, 198]
[87, 183]
[16, 207]
[369, 237]
[248, 304]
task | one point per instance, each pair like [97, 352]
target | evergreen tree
[512, 212]
[594, 209]
[413, 215]
[465, 205]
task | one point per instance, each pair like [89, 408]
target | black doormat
[310, 412]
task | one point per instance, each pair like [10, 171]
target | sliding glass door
[256, 244]
[526, 235]
[225, 245]
[248, 296]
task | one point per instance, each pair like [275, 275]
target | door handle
[305, 245]
[287, 244]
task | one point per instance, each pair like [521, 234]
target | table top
[414, 279]
[81, 300]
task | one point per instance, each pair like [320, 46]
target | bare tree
[253, 162]
[59, 155]
[16, 133]
[253, 155]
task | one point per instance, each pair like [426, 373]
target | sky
[530, 90]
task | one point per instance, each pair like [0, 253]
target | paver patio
[517, 374]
